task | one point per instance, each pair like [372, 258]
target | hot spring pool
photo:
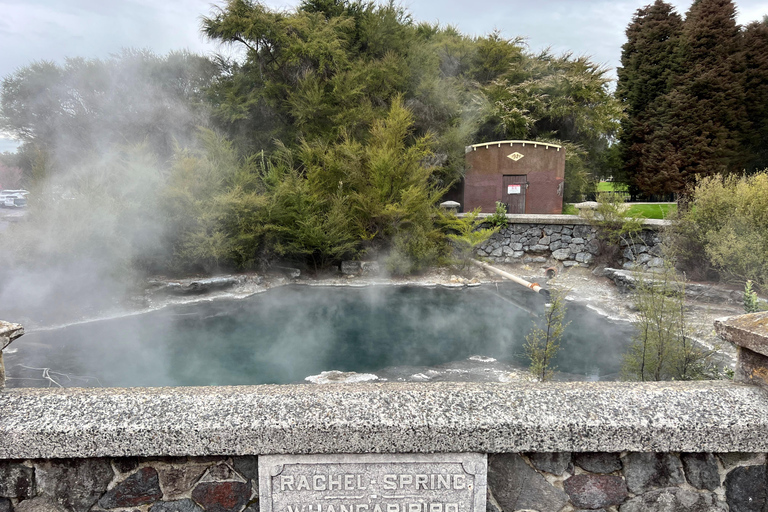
[288, 333]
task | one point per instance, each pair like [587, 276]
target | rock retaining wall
[566, 239]
[546, 482]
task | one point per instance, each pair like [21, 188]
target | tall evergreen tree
[756, 94]
[645, 76]
[702, 119]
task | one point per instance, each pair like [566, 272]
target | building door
[513, 194]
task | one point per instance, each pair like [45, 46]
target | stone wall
[546, 482]
[568, 240]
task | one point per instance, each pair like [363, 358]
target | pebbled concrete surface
[384, 418]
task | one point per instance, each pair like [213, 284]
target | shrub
[498, 219]
[465, 234]
[542, 344]
[662, 347]
[614, 225]
[725, 229]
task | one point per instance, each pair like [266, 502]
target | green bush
[498, 219]
[465, 234]
[726, 229]
[663, 347]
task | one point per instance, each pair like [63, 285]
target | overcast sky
[33, 30]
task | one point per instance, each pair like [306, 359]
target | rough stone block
[602, 463]
[222, 496]
[551, 462]
[508, 251]
[555, 246]
[141, 488]
[647, 471]
[539, 248]
[177, 481]
[497, 252]
[581, 231]
[516, 246]
[248, 467]
[183, 505]
[517, 486]
[561, 254]
[643, 258]
[221, 472]
[576, 248]
[40, 504]
[570, 263]
[16, 480]
[593, 247]
[544, 240]
[746, 489]
[656, 262]
[729, 460]
[350, 267]
[751, 368]
[5, 505]
[674, 500]
[701, 470]
[596, 491]
[76, 484]
[125, 464]
[748, 331]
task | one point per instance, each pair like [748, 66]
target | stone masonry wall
[570, 244]
[545, 482]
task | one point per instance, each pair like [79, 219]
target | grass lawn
[610, 186]
[652, 211]
[648, 211]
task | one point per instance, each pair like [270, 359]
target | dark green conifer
[645, 76]
[756, 94]
[701, 121]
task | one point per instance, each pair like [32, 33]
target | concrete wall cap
[384, 418]
[747, 331]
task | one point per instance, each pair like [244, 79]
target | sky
[33, 30]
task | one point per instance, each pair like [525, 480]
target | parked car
[13, 198]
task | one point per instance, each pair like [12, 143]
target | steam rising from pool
[292, 332]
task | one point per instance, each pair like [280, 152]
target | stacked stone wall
[621, 482]
[569, 244]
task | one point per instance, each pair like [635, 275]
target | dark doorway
[513, 193]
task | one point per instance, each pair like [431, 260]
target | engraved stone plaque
[446, 482]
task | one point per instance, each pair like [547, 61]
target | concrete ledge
[747, 331]
[384, 418]
[575, 220]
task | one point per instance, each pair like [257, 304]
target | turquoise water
[291, 332]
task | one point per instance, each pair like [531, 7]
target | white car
[13, 198]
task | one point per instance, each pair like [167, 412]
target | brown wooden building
[527, 176]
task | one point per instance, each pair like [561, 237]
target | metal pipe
[533, 286]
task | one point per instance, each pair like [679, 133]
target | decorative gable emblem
[515, 156]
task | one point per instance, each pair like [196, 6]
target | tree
[86, 106]
[662, 347]
[542, 344]
[648, 64]
[756, 94]
[561, 99]
[702, 118]
[10, 177]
